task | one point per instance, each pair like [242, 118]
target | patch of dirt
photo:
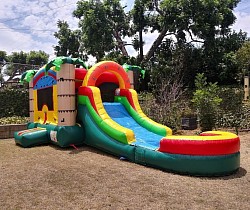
[48, 177]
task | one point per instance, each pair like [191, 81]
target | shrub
[232, 99]
[233, 113]
[206, 101]
[13, 120]
[14, 102]
[163, 113]
[166, 86]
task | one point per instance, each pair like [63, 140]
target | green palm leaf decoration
[134, 68]
[58, 61]
[28, 75]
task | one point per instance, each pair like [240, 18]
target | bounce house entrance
[107, 90]
[45, 97]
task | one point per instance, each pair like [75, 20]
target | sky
[27, 25]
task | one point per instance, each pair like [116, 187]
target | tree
[102, 26]
[3, 59]
[243, 58]
[104, 23]
[68, 41]
[119, 58]
[17, 64]
[199, 29]
[37, 58]
[140, 25]
[219, 59]
[21, 61]
[199, 21]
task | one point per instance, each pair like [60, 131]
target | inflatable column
[66, 95]
[31, 100]
[131, 78]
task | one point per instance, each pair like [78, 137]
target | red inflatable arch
[107, 66]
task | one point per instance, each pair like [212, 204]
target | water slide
[119, 120]
[143, 137]
[121, 128]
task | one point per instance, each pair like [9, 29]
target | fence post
[246, 87]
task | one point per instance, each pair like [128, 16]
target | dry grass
[48, 177]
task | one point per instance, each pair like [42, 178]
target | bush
[206, 101]
[234, 113]
[232, 99]
[166, 87]
[13, 120]
[163, 113]
[231, 108]
[14, 102]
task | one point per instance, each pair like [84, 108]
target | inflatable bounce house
[73, 106]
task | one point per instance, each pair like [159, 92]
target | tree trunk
[121, 45]
[154, 46]
[141, 45]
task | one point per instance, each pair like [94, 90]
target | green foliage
[245, 123]
[102, 25]
[166, 114]
[227, 109]
[14, 102]
[3, 59]
[233, 113]
[201, 17]
[3, 55]
[168, 68]
[68, 41]
[140, 20]
[37, 58]
[1, 79]
[19, 60]
[232, 99]
[218, 59]
[243, 58]
[219, 64]
[119, 58]
[22, 61]
[202, 21]
[206, 101]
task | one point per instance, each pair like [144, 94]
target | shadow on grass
[241, 172]
[79, 149]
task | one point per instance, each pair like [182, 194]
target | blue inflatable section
[46, 80]
[143, 137]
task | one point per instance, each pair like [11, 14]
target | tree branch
[155, 2]
[194, 40]
[156, 43]
[120, 42]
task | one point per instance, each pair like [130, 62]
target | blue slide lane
[143, 137]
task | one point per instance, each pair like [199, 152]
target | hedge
[14, 102]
